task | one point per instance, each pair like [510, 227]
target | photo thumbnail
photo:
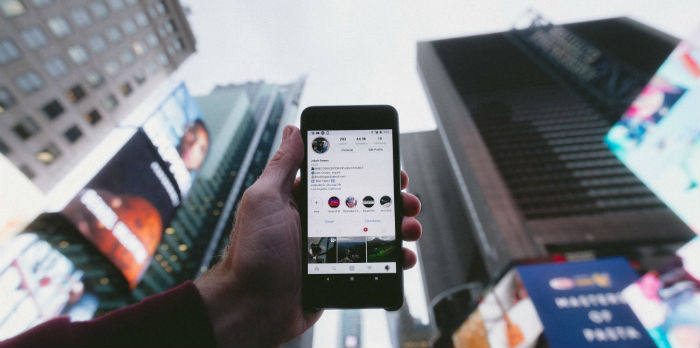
[381, 249]
[351, 202]
[352, 249]
[385, 201]
[368, 201]
[333, 202]
[320, 145]
[323, 250]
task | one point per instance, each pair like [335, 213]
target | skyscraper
[71, 71]
[522, 116]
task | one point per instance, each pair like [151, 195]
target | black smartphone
[351, 208]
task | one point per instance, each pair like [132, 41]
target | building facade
[70, 71]
[523, 130]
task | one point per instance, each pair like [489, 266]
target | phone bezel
[365, 291]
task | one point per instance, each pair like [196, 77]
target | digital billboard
[38, 283]
[573, 304]
[658, 137]
[178, 132]
[667, 301]
[125, 207]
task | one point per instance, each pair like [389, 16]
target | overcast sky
[361, 52]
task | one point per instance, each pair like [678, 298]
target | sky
[363, 52]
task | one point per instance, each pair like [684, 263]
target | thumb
[283, 166]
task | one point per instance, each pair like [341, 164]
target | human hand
[253, 296]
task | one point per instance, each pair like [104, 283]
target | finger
[411, 229]
[310, 318]
[409, 259]
[404, 180]
[283, 166]
[411, 204]
[296, 189]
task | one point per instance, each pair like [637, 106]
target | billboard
[38, 283]
[667, 301]
[574, 304]
[658, 137]
[125, 207]
[178, 132]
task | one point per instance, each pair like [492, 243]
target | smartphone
[351, 208]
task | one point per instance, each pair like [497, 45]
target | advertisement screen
[658, 137]
[125, 207]
[38, 283]
[351, 204]
[177, 130]
[667, 301]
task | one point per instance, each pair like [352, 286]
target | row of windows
[14, 8]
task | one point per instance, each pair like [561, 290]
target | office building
[245, 124]
[522, 116]
[71, 71]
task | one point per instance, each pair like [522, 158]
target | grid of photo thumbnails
[351, 249]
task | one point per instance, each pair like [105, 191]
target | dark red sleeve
[176, 318]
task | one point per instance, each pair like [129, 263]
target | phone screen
[351, 216]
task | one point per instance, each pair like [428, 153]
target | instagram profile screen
[351, 226]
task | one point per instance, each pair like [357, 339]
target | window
[113, 34]
[76, 93]
[4, 149]
[116, 5]
[128, 26]
[29, 82]
[152, 12]
[126, 89]
[92, 117]
[56, 67]
[6, 99]
[52, 109]
[98, 8]
[179, 46]
[12, 8]
[97, 43]
[49, 154]
[139, 48]
[34, 37]
[77, 54]
[112, 67]
[141, 19]
[58, 26]
[126, 57]
[8, 51]
[73, 134]
[25, 128]
[161, 31]
[140, 77]
[94, 79]
[152, 39]
[160, 7]
[42, 3]
[163, 59]
[131, 2]
[110, 102]
[170, 26]
[80, 17]
[151, 67]
[171, 50]
[27, 171]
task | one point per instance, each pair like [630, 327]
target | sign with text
[580, 303]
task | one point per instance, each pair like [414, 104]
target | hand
[253, 295]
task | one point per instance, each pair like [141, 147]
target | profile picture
[385, 201]
[368, 201]
[351, 202]
[320, 145]
[333, 202]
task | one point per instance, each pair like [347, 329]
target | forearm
[175, 318]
